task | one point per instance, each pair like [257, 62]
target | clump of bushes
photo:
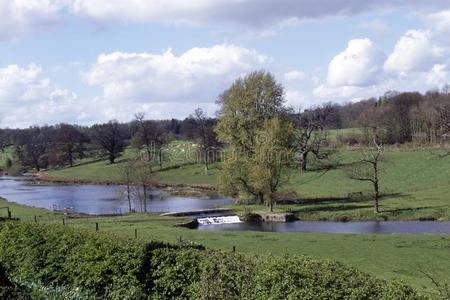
[105, 266]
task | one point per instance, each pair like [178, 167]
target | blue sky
[87, 61]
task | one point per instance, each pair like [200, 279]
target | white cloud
[27, 98]
[439, 22]
[415, 51]
[294, 75]
[357, 65]
[295, 98]
[438, 76]
[18, 17]
[417, 64]
[196, 77]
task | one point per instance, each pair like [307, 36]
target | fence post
[234, 248]
[35, 219]
[9, 214]
[181, 239]
[96, 226]
[64, 221]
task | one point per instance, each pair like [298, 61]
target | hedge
[105, 266]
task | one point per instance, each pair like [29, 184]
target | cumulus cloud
[18, 17]
[438, 76]
[415, 51]
[196, 76]
[357, 65]
[27, 98]
[417, 64]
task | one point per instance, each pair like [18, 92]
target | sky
[90, 61]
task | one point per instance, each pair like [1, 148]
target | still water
[96, 199]
[110, 199]
[418, 227]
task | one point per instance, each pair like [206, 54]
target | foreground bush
[105, 266]
[8, 290]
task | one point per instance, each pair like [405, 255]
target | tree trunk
[261, 198]
[70, 159]
[376, 198]
[303, 161]
[129, 197]
[144, 187]
[111, 158]
[206, 162]
[160, 159]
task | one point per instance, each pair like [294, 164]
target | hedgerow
[103, 266]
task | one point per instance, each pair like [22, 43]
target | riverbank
[389, 256]
[414, 185]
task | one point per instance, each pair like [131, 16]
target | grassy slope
[386, 256]
[415, 183]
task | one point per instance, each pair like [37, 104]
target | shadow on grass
[330, 208]
[350, 198]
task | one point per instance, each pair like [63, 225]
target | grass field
[414, 183]
[386, 256]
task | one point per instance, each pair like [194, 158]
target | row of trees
[404, 117]
[60, 145]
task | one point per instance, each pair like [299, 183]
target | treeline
[401, 117]
[398, 118]
[40, 147]
[93, 265]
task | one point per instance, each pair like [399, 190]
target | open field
[386, 256]
[414, 183]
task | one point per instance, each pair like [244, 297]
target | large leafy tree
[251, 120]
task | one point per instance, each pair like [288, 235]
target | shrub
[99, 265]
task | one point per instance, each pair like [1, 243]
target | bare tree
[126, 171]
[142, 176]
[109, 137]
[70, 142]
[368, 168]
[149, 137]
[206, 135]
[310, 137]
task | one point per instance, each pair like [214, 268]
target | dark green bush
[104, 266]
[8, 290]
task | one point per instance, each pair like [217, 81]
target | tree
[368, 168]
[206, 136]
[148, 137]
[273, 152]
[246, 110]
[32, 147]
[109, 137]
[4, 140]
[126, 171]
[310, 137]
[142, 176]
[70, 143]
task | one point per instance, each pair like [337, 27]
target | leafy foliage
[98, 265]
